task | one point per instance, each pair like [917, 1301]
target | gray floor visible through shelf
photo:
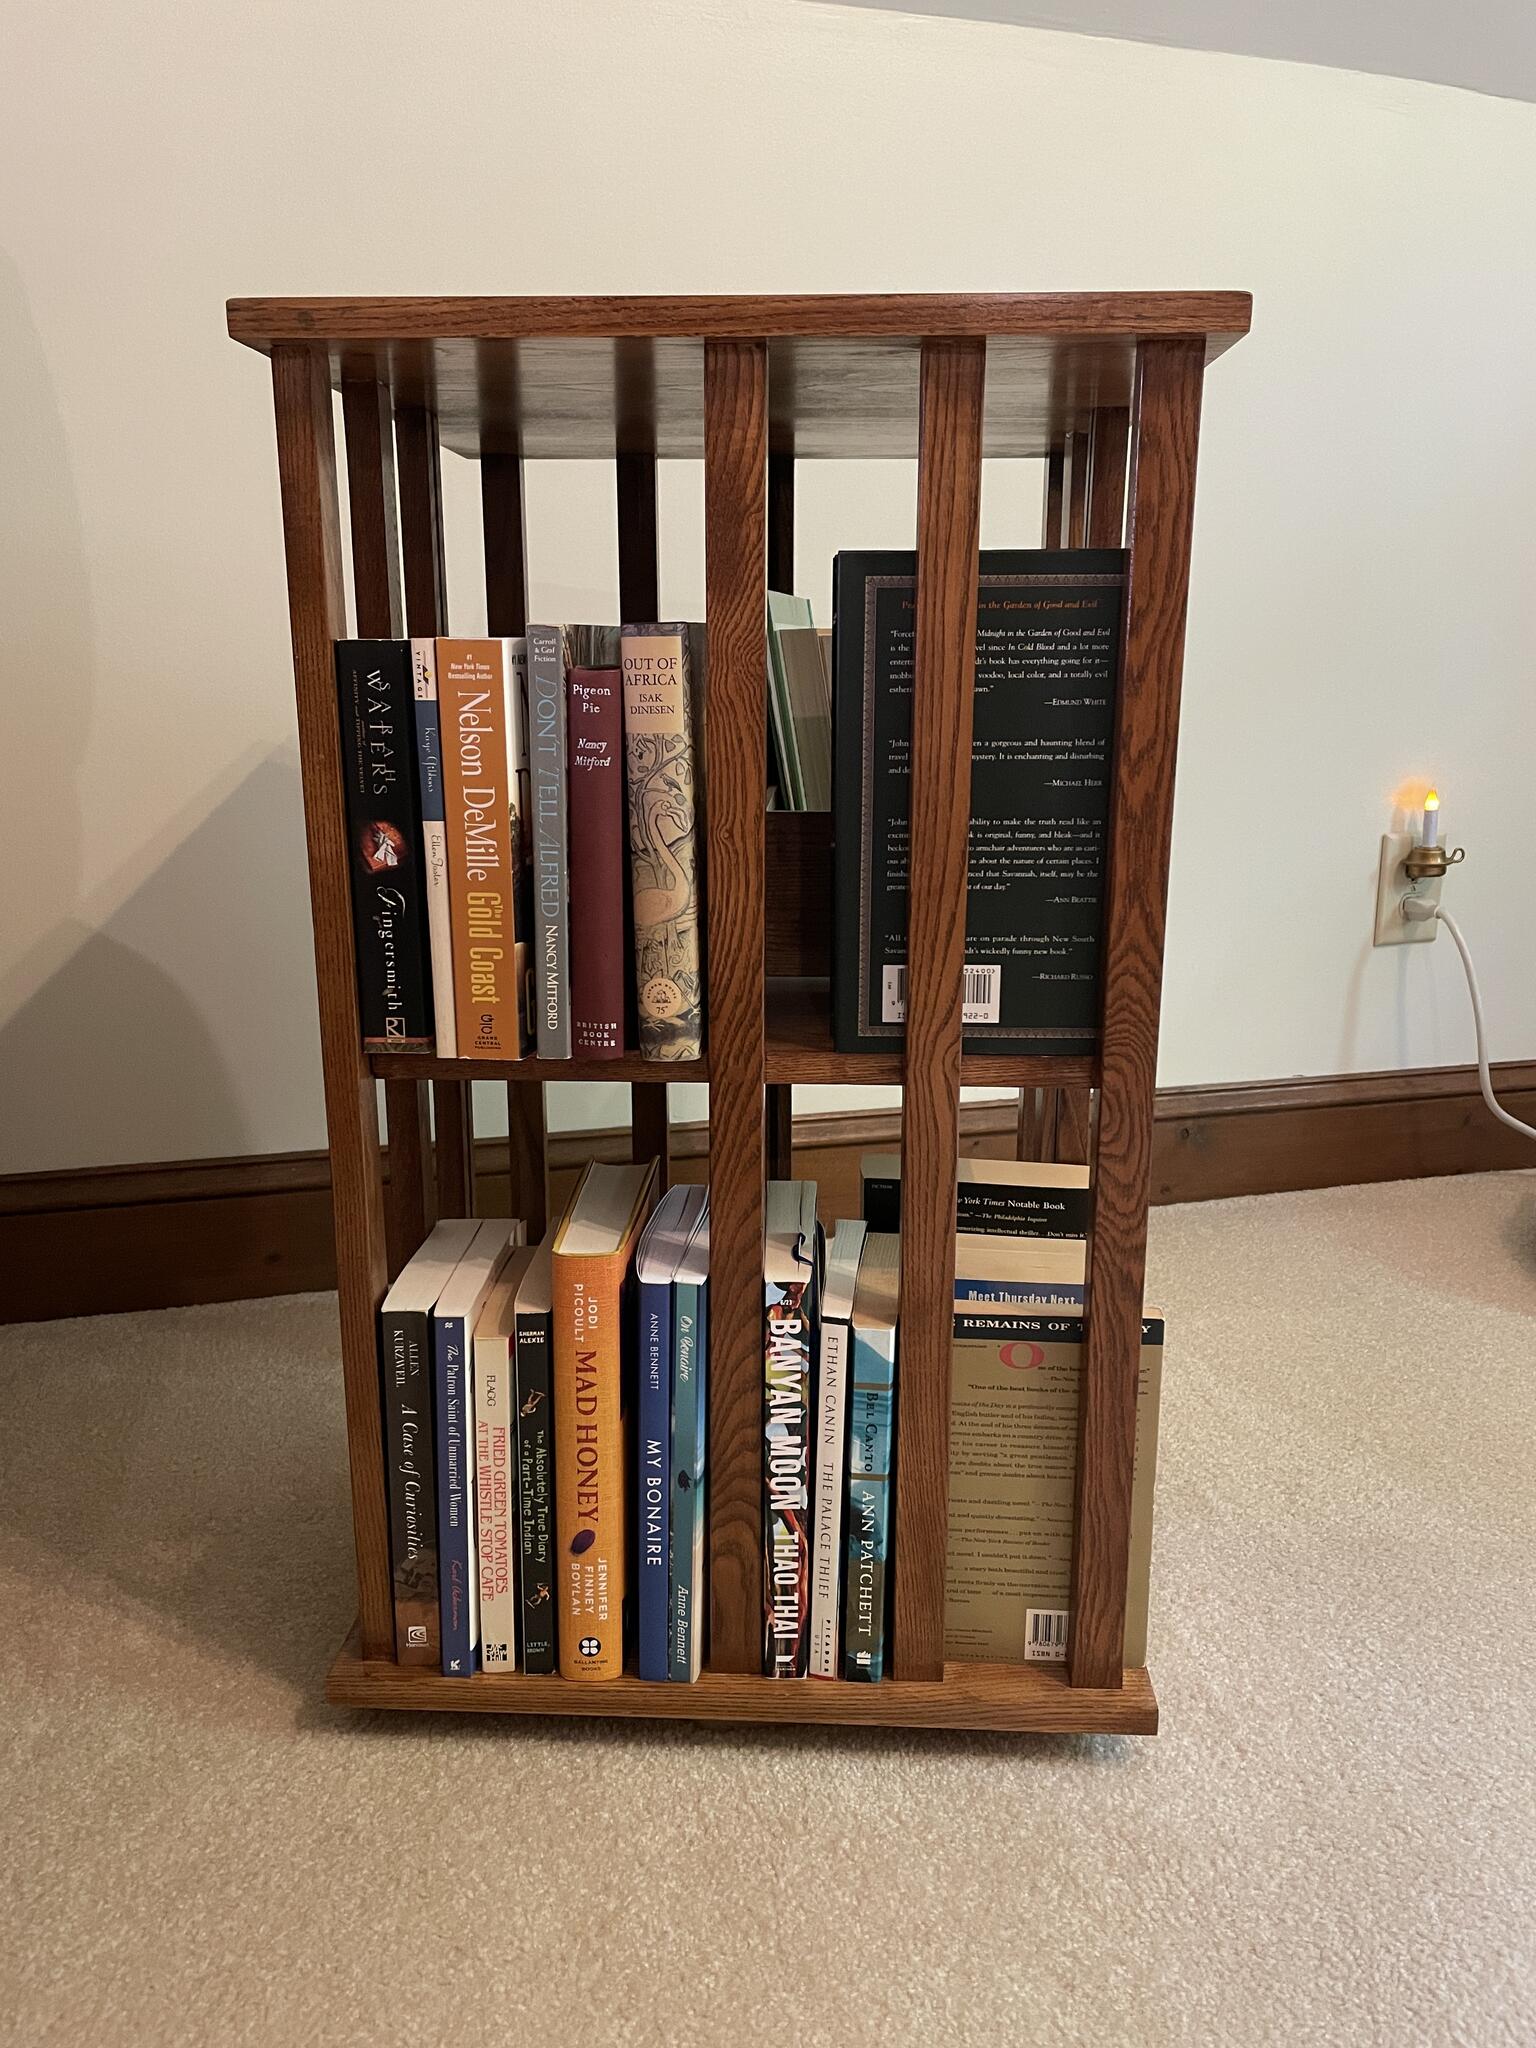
[1333, 1840]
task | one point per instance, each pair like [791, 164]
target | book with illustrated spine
[662, 667]
[840, 1268]
[434, 844]
[686, 1587]
[496, 1515]
[384, 837]
[658, 1255]
[480, 714]
[790, 1263]
[871, 1458]
[453, 1324]
[1012, 1480]
[551, 967]
[592, 1263]
[993, 1197]
[535, 1459]
[602, 954]
[410, 1441]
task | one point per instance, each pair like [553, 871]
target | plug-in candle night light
[1431, 819]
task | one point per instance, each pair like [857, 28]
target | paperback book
[535, 1460]
[790, 1262]
[840, 1268]
[659, 1254]
[434, 844]
[871, 1458]
[690, 1381]
[993, 1197]
[495, 1414]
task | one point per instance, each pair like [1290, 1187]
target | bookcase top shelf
[594, 377]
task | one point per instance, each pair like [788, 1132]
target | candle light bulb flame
[1432, 800]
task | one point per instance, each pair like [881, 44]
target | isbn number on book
[1045, 1635]
[981, 995]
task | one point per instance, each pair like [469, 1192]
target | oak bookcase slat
[735, 541]
[1105, 386]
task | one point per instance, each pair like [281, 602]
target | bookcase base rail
[1029, 1699]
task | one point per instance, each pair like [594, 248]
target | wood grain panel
[1055, 497]
[735, 545]
[948, 522]
[1077, 489]
[1031, 1699]
[306, 451]
[1109, 451]
[1162, 500]
[425, 587]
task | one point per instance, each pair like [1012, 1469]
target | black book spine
[376, 698]
[535, 1491]
[406, 1353]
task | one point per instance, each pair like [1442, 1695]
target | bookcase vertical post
[368, 426]
[306, 453]
[1109, 453]
[779, 1096]
[506, 611]
[948, 527]
[735, 472]
[419, 467]
[650, 1134]
[1075, 508]
[1164, 443]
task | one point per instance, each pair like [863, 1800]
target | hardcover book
[790, 1262]
[601, 949]
[479, 693]
[871, 1447]
[1012, 1476]
[389, 882]
[662, 670]
[993, 1197]
[410, 1442]
[1048, 633]
[660, 1252]
[551, 882]
[535, 1459]
[434, 844]
[690, 1379]
[840, 1268]
[594, 1252]
[453, 1324]
[496, 1515]
[785, 611]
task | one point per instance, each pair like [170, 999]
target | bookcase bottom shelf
[1023, 1699]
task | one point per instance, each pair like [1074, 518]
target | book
[1048, 633]
[535, 1459]
[790, 1262]
[479, 689]
[601, 948]
[839, 1271]
[434, 845]
[1046, 1270]
[496, 1509]
[809, 701]
[551, 882]
[593, 1253]
[1012, 1478]
[662, 671]
[660, 1251]
[410, 1442]
[453, 1323]
[871, 1462]
[388, 872]
[690, 1382]
[993, 1197]
[785, 610]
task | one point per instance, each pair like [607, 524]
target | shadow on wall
[109, 1058]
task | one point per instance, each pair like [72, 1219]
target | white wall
[1363, 612]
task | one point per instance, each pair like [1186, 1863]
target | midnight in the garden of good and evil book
[1048, 626]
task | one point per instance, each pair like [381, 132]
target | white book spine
[831, 1463]
[496, 1518]
[434, 836]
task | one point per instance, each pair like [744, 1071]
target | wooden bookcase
[1105, 385]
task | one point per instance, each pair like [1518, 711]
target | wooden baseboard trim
[104, 1239]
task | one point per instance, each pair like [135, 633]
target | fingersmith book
[480, 716]
[1048, 631]
[391, 938]
[405, 1354]
[790, 1265]
[662, 665]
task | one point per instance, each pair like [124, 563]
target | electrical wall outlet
[1394, 889]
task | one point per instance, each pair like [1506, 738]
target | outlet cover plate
[1393, 889]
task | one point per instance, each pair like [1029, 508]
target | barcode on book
[1045, 1635]
[980, 997]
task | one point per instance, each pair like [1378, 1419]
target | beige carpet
[1333, 1840]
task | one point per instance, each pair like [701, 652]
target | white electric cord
[1483, 1075]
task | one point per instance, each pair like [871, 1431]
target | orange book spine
[479, 718]
[591, 1504]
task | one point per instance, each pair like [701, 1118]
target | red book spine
[599, 880]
